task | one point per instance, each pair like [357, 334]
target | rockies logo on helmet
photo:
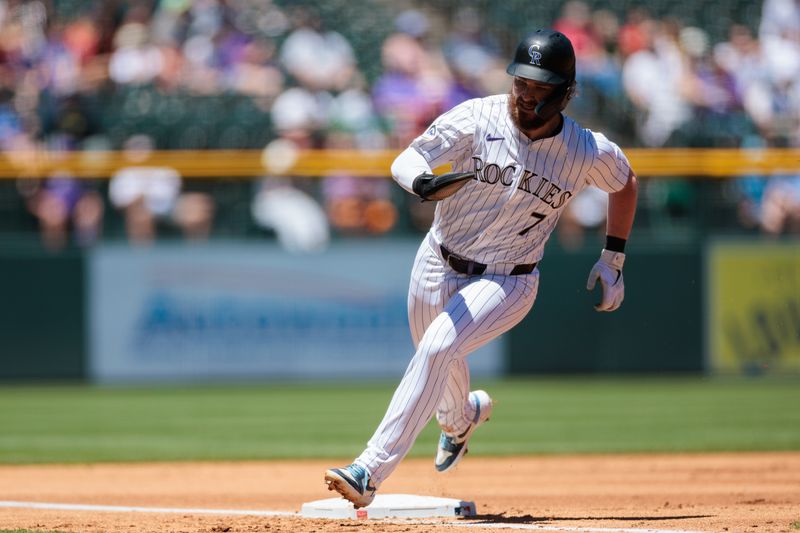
[536, 56]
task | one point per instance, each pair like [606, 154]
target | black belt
[473, 268]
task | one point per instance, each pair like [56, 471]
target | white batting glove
[608, 270]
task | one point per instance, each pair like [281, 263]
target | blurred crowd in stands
[139, 75]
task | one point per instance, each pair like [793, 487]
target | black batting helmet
[547, 56]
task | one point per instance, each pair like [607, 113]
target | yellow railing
[715, 163]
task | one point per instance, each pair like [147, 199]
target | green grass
[41, 424]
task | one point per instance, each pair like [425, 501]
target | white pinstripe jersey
[521, 187]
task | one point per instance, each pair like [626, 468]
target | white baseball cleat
[453, 447]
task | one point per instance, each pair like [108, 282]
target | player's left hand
[608, 270]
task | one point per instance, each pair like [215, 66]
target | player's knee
[438, 354]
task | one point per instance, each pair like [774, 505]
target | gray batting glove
[608, 270]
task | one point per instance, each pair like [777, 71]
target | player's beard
[524, 119]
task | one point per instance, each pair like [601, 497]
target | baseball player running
[516, 163]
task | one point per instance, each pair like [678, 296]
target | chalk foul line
[127, 509]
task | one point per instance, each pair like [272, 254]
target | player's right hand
[608, 270]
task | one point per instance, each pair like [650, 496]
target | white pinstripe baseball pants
[451, 315]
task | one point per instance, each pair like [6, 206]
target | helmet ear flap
[572, 89]
[557, 101]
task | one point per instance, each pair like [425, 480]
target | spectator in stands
[633, 34]
[598, 66]
[256, 72]
[286, 205]
[655, 79]
[200, 76]
[780, 206]
[779, 35]
[780, 19]
[717, 110]
[317, 58]
[605, 68]
[353, 113]
[740, 57]
[295, 217]
[652, 78]
[576, 23]
[150, 196]
[411, 90]
[44, 81]
[281, 206]
[773, 203]
[768, 70]
[359, 206]
[155, 57]
[473, 56]
[135, 60]
[356, 205]
[769, 204]
[62, 203]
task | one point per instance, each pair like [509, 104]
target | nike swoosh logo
[489, 138]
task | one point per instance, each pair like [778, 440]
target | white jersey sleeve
[450, 137]
[407, 166]
[611, 169]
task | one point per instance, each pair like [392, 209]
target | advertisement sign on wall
[231, 311]
[754, 307]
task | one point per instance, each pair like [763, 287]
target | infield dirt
[735, 492]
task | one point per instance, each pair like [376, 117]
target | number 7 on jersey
[539, 217]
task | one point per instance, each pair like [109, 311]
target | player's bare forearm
[622, 208]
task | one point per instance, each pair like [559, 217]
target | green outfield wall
[659, 328]
[43, 315]
[681, 313]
